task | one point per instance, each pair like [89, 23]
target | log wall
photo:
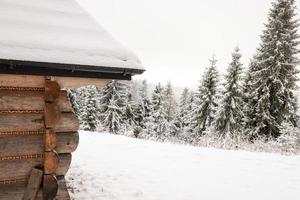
[36, 131]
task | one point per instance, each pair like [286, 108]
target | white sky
[175, 38]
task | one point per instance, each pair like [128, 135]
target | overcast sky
[175, 38]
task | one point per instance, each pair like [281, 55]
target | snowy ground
[111, 167]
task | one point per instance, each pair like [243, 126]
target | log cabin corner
[47, 46]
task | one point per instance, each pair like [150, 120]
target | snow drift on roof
[58, 31]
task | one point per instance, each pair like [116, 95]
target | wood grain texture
[33, 184]
[50, 187]
[64, 164]
[51, 161]
[68, 123]
[20, 169]
[28, 100]
[39, 81]
[34, 144]
[16, 192]
[21, 80]
[34, 122]
[21, 122]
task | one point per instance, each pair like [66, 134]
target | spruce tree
[183, 108]
[113, 105]
[88, 109]
[170, 103]
[230, 114]
[206, 102]
[274, 78]
[143, 105]
[157, 122]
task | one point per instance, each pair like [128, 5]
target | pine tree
[113, 106]
[88, 110]
[206, 102]
[230, 113]
[74, 101]
[183, 111]
[170, 103]
[157, 122]
[275, 76]
[143, 107]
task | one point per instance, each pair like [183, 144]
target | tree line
[249, 103]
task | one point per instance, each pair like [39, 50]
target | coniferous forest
[253, 106]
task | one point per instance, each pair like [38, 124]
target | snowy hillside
[113, 167]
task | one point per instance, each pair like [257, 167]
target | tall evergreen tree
[206, 102]
[158, 122]
[143, 105]
[230, 114]
[113, 105]
[274, 78]
[170, 102]
[183, 109]
[88, 109]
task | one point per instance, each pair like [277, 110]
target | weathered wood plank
[28, 100]
[67, 142]
[74, 82]
[50, 187]
[51, 161]
[39, 81]
[13, 80]
[33, 184]
[21, 122]
[33, 144]
[67, 123]
[16, 192]
[33, 122]
[20, 169]
[64, 164]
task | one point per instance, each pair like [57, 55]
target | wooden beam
[66, 142]
[20, 168]
[31, 100]
[38, 81]
[34, 122]
[33, 184]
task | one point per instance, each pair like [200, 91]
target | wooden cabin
[47, 46]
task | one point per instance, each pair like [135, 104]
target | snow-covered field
[112, 167]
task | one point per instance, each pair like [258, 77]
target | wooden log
[33, 144]
[67, 123]
[50, 187]
[21, 122]
[28, 100]
[16, 192]
[12, 80]
[52, 115]
[20, 169]
[51, 161]
[64, 164]
[33, 184]
[39, 81]
[34, 122]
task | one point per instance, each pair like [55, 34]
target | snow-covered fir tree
[230, 112]
[143, 105]
[170, 102]
[113, 105]
[88, 108]
[131, 112]
[183, 111]
[73, 100]
[274, 78]
[157, 123]
[206, 101]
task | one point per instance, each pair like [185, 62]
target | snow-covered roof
[62, 32]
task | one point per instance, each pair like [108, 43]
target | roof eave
[66, 70]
